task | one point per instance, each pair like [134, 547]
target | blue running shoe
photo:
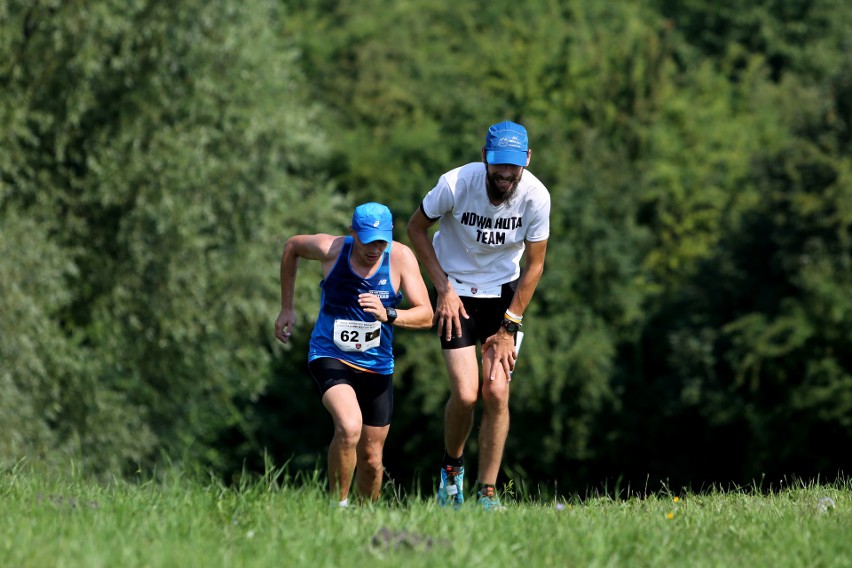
[451, 488]
[489, 501]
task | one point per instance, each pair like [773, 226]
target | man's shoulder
[535, 192]
[467, 171]
[334, 244]
[402, 256]
[317, 246]
[398, 248]
[463, 179]
[534, 183]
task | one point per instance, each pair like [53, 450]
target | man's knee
[464, 399]
[371, 466]
[370, 460]
[495, 397]
[348, 432]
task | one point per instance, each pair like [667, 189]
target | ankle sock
[453, 462]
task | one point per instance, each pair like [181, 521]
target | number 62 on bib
[351, 335]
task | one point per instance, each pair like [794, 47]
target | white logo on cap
[506, 141]
[376, 224]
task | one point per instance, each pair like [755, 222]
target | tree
[162, 151]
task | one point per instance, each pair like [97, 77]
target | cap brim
[371, 236]
[506, 157]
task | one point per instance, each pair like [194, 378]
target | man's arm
[322, 247]
[419, 315]
[533, 269]
[418, 234]
[449, 307]
[501, 346]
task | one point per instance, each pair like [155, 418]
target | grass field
[64, 520]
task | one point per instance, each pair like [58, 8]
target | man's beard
[495, 194]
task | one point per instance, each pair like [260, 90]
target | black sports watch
[391, 315]
[511, 326]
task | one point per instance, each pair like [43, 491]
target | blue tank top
[343, 330]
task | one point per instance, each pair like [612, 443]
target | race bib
[470, 291]
[352, 335]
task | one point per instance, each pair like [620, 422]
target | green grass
[65, 520]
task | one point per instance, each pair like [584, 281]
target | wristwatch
[511, 326]
[391, 315]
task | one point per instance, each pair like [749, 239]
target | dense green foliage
[694, 322]
[151, 155]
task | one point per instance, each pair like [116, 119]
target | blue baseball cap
[506, 143]
[373, 222]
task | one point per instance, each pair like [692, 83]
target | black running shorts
[486, 315]
[373, 391]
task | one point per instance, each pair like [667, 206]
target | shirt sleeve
[439, 200]
[539, 229]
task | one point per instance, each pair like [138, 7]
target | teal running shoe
[489, 501]
[451, 488]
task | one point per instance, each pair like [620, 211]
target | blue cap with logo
[373, 222]
[506, 143]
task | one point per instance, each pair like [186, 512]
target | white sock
[345, 502]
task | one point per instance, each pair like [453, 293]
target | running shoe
[451, 488]
[489, 501]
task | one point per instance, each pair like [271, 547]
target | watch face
[391, 314]
[511, 326]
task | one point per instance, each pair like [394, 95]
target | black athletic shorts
[486, 315]
[373, 391]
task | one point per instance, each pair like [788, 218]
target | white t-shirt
[478, 243]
